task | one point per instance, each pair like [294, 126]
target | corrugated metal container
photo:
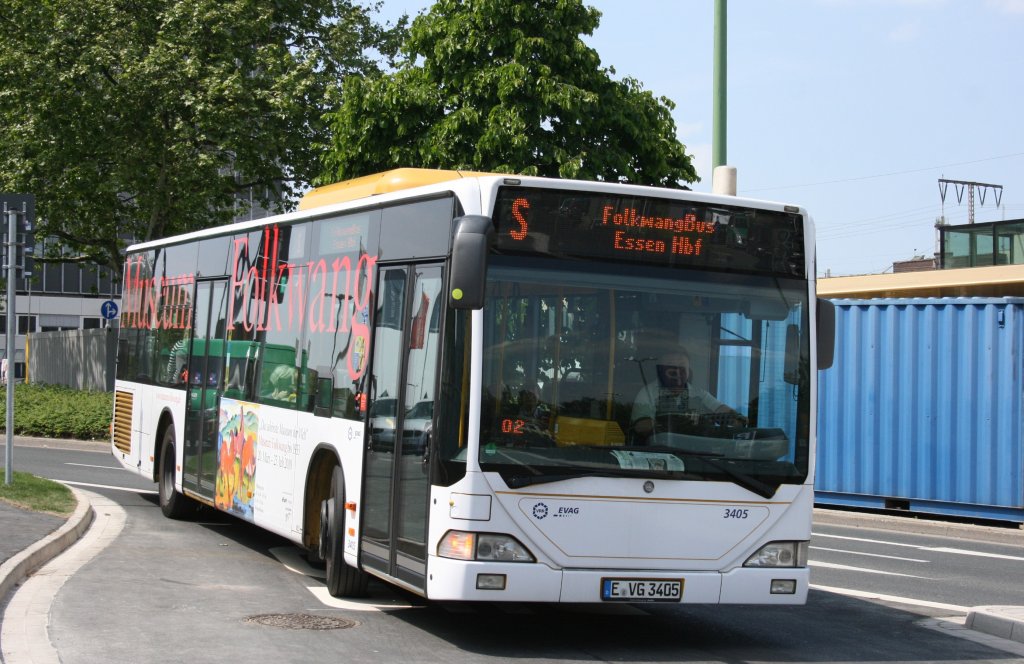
[922, 408]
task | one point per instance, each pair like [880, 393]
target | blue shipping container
[922, 408]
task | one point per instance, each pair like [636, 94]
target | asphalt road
[201, 591]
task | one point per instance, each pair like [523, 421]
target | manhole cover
[299, 621]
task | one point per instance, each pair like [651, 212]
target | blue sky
[851, 108]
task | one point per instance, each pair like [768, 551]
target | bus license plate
[641, 590]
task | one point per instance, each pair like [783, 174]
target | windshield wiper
[748, 482]
[517, 481]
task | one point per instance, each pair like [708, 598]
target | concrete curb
[1006, 622]
[63, 443]
[23, 564]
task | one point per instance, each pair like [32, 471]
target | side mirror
[826, 333]
[467, 277]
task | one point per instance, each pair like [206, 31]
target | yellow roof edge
[923, 280]
[380, 183]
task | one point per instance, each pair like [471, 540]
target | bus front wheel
[343, 580]
[173, 504]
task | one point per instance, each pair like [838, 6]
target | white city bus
[437, 378]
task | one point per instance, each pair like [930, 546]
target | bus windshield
[616, 370]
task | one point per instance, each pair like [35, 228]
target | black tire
[343, 580]
[173, 504]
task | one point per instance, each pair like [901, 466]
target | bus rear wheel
[343, 580]
[173, 504]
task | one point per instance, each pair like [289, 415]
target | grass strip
[37, 494]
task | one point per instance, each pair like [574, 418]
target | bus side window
[307, 389]
[234, 388]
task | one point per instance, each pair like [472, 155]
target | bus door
[205, 378]
[402, 390]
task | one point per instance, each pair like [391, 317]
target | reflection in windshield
[655, 375]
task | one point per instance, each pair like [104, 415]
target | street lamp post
[12, 275]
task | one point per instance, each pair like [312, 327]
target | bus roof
[402, 179]
[380, 183]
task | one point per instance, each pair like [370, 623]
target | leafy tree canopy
[146, 118]
[507, 86]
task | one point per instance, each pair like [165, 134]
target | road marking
[893, 598]
[864, 553]
[814, 563]
[293, 562]
[870, 541]
[965, 552]
[374, 604]
[937, 549]
[90, 465]
[107, 486]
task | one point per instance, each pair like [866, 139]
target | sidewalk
[22, 528]
[32, 539]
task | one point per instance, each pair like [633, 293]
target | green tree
[508, 86]
[146, 118]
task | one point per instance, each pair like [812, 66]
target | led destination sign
[648, 230]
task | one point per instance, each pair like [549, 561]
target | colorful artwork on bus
[239, 426]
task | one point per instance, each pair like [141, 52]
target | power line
[901, 219]
[885, 175]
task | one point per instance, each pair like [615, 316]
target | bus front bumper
[532, 582]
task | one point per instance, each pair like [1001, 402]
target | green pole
[718, 157]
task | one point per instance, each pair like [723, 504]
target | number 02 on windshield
[641, 590]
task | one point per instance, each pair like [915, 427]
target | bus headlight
[483, 546]
[779, 554]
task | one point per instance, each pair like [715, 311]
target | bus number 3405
[735, 513]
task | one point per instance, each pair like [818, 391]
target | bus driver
[673, 394]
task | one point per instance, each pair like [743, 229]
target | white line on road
[965, 552]
[90, 465]
[893, 598]
[814, 563]
[869, 541]
[864, 553]
[293, 562]
[106, 486]
[937, 549]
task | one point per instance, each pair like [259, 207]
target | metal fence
[82, 359]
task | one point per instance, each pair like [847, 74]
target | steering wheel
[727, 420]
[677, 422]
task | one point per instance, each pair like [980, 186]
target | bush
[53, 411]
